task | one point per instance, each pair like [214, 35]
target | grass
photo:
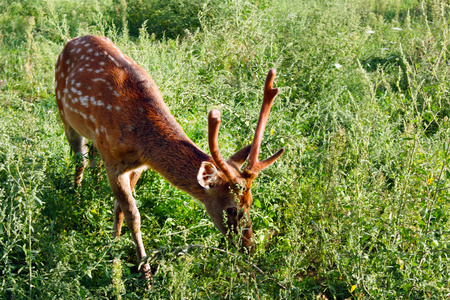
[357, 208]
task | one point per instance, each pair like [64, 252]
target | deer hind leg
[78, 144]
[125, 207]
[95, 164]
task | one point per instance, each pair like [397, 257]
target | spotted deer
[104, 96]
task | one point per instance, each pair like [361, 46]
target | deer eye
[232, 211]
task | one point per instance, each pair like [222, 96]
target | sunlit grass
[357, 207]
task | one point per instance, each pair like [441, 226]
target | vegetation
[358, 207]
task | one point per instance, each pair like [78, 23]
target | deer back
[106, 97]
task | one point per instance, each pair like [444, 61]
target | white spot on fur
[109, 107]
[100, 103]
[113, 60]
[84, 101]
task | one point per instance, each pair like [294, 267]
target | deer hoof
[146, 272]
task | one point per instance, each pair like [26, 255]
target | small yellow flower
[353, 288]
[401, 263]
[430, 180]
[272, 132]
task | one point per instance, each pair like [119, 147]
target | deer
[105, 97]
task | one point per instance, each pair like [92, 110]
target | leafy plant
[358, 206]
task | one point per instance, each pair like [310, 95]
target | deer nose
[247, 240]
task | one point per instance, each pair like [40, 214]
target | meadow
[358, 207]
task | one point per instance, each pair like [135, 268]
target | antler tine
[254, 165]
[213, 133]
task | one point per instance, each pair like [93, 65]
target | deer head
[226, 182]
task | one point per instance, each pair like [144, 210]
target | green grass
[357, 208]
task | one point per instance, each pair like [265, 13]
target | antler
[254, 165]
[213, 133]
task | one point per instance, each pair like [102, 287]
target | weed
[358, 207]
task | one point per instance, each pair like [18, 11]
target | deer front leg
[118, 214]
[118, 220]
[126, 207]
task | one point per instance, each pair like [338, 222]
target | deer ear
[207, 174]
[239, 158]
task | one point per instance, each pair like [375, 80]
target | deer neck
[170, 152]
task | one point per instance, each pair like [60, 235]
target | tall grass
[358, 206]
